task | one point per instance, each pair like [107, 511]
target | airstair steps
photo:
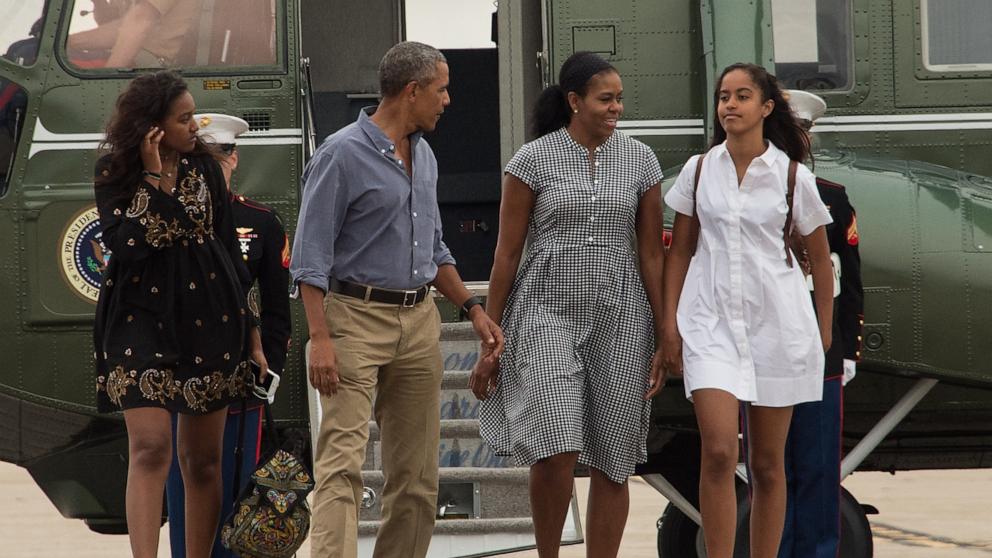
[460, 446]
[459, 346]
[479, 492]
[522, 525]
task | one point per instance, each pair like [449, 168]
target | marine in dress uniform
[264, 248]
[812, 458]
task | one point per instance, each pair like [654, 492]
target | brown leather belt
[406, 299]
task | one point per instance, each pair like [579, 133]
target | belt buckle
[410, 296]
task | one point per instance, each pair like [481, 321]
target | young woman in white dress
[737, 314]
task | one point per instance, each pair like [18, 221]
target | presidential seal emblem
[82, 255]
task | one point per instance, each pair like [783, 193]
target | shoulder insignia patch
[852, 231]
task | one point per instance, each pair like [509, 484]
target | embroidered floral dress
[171, 320]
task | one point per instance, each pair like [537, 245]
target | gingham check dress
[579, 333]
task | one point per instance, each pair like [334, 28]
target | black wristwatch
[470, 302]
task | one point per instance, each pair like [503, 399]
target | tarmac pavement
[923, 514]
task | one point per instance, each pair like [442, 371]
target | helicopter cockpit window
[172, 34]
[956, 35]
[20, 31]
[813, 40]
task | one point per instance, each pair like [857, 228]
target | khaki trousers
[391, 355]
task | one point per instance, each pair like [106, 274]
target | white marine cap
[805, 105]
[220, 128]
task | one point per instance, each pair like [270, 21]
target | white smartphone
[265, 389]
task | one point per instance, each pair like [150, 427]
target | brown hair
[145, 102]
[780, 127]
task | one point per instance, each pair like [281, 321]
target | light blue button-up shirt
[363, 219]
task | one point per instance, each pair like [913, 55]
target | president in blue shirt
[367, 250]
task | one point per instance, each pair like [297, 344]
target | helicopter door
[235, 57]
[232, 55]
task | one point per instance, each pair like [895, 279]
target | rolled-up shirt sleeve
[322, 213]
[442, 256]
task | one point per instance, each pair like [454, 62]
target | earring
[576, 111]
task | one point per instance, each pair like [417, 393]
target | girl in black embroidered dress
[172, 325]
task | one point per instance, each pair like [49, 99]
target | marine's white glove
[849, 371]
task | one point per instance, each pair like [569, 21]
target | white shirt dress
[746, 317]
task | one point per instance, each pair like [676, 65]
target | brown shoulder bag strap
[793, 165]
[695, 212]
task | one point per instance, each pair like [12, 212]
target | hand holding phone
[264, 388]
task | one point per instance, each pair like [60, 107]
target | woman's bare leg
[606, 515]
[717, 413]
[199, 442]
[768, 428]
[149, 438]
[551, 482]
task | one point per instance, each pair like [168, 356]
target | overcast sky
[17, 18]
[450, 23]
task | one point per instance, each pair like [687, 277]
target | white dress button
[415, 272]
[593, 198]
[415, 243]
[414, 213]
[595, 181]
[590, 239]
[592, 218]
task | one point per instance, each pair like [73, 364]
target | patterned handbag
[271, 518]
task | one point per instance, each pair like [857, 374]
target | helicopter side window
[20, 30]
[813, 42]
[172, 34]
[13, 106]
[956, 35]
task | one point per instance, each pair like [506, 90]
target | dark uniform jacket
[265, 249]
[842, 235]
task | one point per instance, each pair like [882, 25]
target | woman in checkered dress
[575, 380]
